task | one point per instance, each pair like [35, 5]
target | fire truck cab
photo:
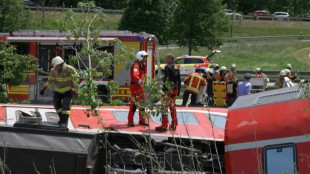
[45, 45]
[269, 133]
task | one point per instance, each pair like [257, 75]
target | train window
[218, 121]
[183, 117]
[280, 159]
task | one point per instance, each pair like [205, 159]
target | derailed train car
[269, 133]
[106, 144]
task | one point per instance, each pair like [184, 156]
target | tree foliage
[15, 65]
[14, 68]
[151, 16]
[199, 23]
[93, 63]
[14, 16]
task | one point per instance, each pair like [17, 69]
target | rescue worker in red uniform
[172, 76]
[137, 73]
[193, 83]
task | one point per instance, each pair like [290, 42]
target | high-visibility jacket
[64, 80]
[137, 72]
[194, 81]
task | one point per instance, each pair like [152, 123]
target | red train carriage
[120, 149]
[269, 133]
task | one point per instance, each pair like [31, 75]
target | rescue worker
[232, 89]
[65, 78]
[292, 77]
[234, 71]
[210, 79]
[193, 83]
[283, 81]
[223, 73]
[171, 76]
[261, 75]
[137, 73]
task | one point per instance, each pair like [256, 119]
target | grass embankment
[268, 56]
[252, 28]
[52, 20]
[242, 28]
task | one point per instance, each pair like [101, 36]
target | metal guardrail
[300, 37]
[74, 9]
[272, 18]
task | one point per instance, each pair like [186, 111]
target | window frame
[275, 146]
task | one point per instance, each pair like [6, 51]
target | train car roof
[194, 123]
[268, 97]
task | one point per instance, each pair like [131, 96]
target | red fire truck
[45, 45]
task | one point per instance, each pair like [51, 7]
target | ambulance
[45, 45]
[187, 64]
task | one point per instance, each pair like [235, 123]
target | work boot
[143, 123]
[172, 127]
[161, 129]
[61, 124]
[131, 124]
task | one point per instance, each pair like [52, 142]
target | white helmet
[282, 73]
[57, 60]
[233, 65]
[258, 70]
[140, 55]
[223, 68]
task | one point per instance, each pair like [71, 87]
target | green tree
[152, 16]
[95, 63]
[14, 67]
[14, 16]
[199, 23]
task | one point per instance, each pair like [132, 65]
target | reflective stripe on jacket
[137, 72]
[194, 81]
[64, 80]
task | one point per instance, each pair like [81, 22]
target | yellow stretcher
[219, 94]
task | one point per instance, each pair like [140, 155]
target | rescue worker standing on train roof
[137, 73]
[193, 83]
[171, 78]
[65, 78]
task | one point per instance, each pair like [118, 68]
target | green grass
[268, 56]
[242, 28]
[52, 20]
[251, 28]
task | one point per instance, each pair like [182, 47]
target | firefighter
[64, 76]
[291, 76]
[223, 73]
[193, 83]
[234, 71]
[261, 75]
[283, 81]
[171, 76]
[137, 73]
